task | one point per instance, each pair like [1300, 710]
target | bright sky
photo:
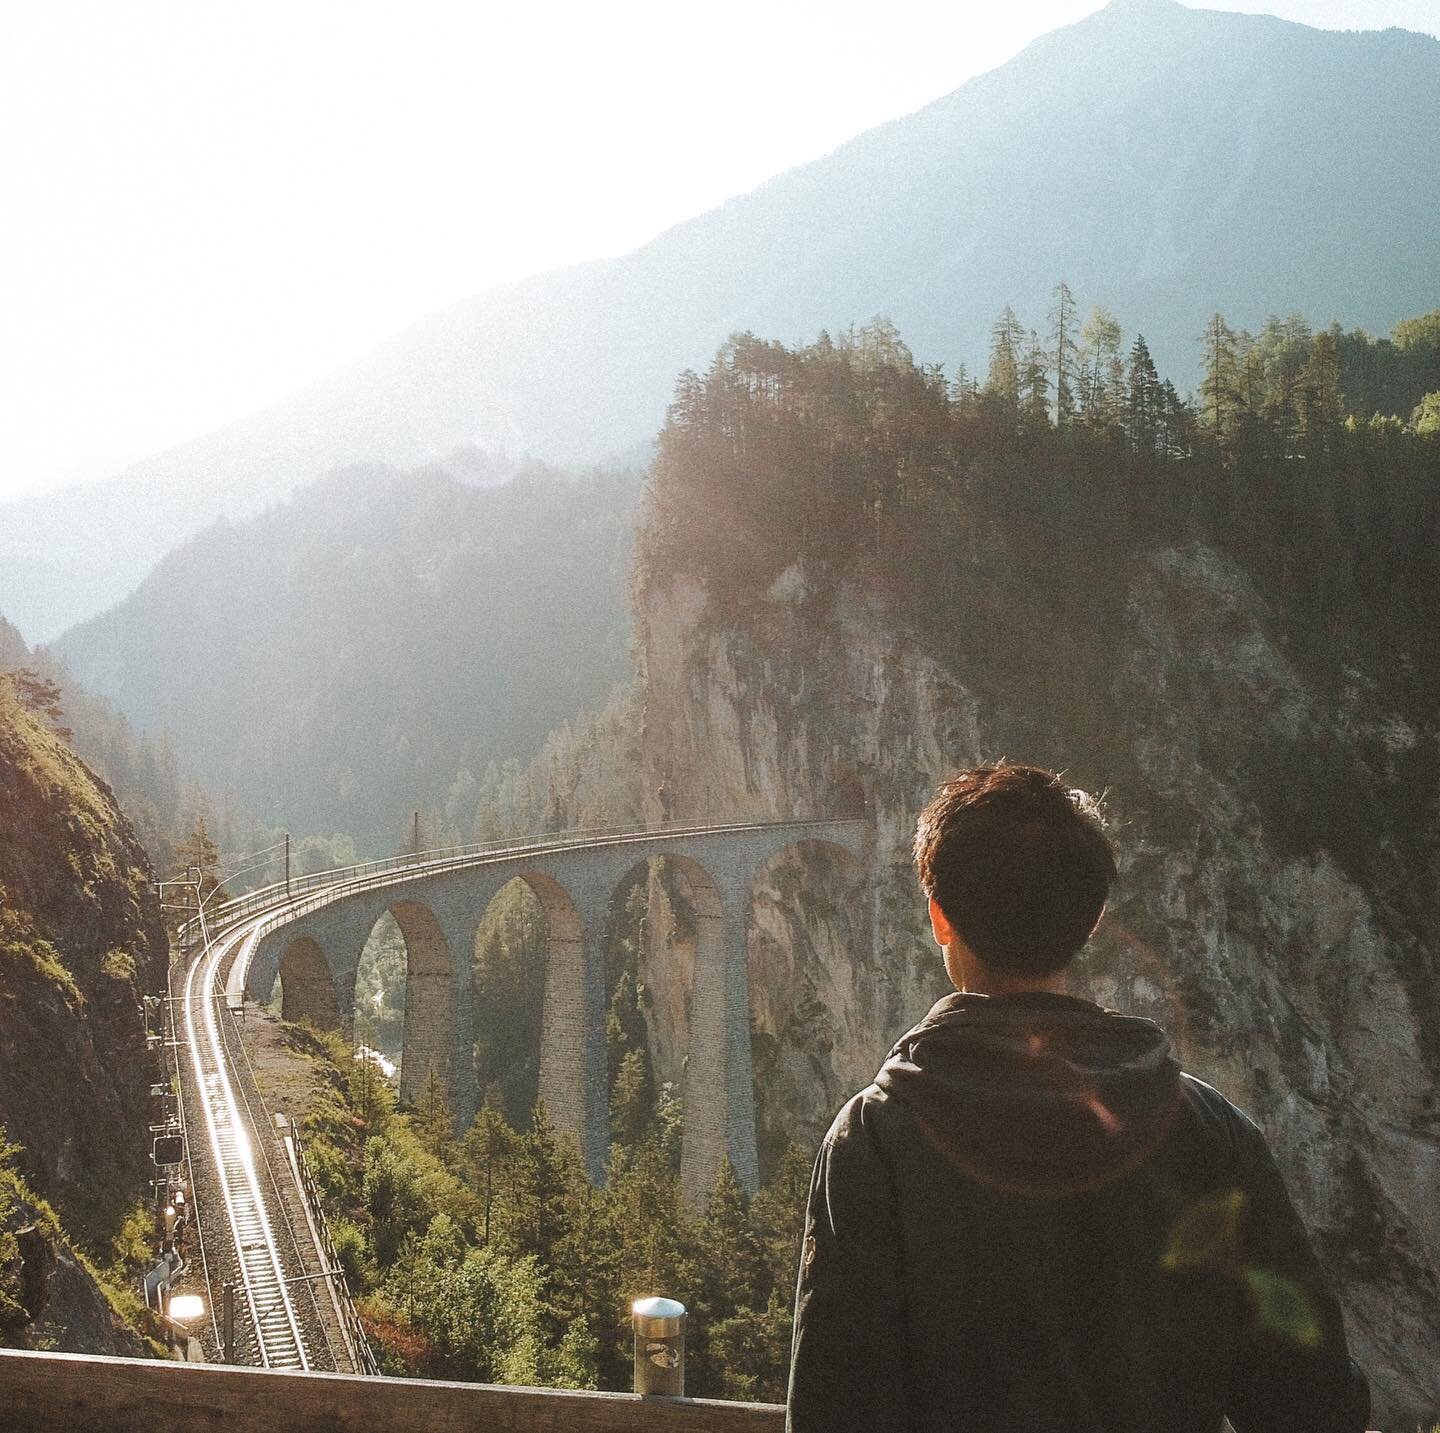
[208, 204]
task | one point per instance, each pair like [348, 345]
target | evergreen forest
[966, 504]
[487, 1254]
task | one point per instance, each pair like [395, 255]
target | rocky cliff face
[49, 1299]
[1278, 902]
[80, 941]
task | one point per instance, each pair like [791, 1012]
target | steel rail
[263, 1141]
[193, 1212]
[278, 1339]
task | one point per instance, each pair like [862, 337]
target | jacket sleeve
[1293, 1373]
[847, 1366]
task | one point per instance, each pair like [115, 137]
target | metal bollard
[659, 1346]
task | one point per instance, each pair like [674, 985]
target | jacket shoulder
[864, 1115]
[1222, 1116]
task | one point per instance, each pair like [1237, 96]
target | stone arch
[376, 1007]
[430, 999]
[816, 999]
[307, 989]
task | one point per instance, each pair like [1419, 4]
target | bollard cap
[658, 1318]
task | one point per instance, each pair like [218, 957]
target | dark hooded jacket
[1034, 1222]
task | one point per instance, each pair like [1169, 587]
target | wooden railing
[72, 1393]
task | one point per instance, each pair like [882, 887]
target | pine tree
[1144, 403]
[38, 694]
[1101, 373]
[632, 1100]
[751, 1351]
[1063, 353]
[370, 1094]
[490, 1148]
[545, 1168]
[198, 858]
[728, 1271]
[644, 1198]
[964, 389]
[1007, 339]
[434, 1122]
[1035, 384]
[1218, 388]
[778, 1213]
[584, 1261]
[1319, 407]
[577, 1361]
[1177, 423]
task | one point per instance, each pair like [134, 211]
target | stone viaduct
[317, 953]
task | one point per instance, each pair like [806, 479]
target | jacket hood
[1036, 1094]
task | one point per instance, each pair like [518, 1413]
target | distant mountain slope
[338, 660]
[1167, 162]
[13, 651]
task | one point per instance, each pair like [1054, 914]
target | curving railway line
[264, 1286]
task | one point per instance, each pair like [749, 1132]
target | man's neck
[968, 973]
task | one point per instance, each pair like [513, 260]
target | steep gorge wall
[1277, 908]
[81, 940]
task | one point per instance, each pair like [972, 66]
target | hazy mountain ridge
[339, 660]
[1166, 161]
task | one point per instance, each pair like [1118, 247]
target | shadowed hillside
[80, 942]
[347, 657]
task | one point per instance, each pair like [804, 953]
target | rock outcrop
[49, 1298]
[81, 941]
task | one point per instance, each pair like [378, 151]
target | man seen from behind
[1033, 1221]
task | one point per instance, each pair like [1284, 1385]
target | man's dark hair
[1019, 862]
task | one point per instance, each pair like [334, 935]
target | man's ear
[940, 924]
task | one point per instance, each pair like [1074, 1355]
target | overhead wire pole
[190, 883]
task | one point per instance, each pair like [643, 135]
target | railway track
[279, 1340]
